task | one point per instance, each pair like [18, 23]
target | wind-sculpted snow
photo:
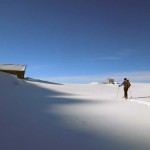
[38, 115]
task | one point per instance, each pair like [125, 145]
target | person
[126, 85]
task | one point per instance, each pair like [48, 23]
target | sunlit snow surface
[38, 115]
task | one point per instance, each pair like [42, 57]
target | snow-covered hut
[15, 69]
[110, 81]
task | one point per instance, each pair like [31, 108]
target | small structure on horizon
[110, 81]
[15, 69]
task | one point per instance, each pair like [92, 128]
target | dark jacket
[126, 83]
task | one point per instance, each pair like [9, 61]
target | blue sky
[77, 41]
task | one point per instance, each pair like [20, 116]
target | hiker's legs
[125, 92]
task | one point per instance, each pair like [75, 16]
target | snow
[16, 67]
[38, 115]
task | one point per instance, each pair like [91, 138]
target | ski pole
[130, 93]
[117, 92]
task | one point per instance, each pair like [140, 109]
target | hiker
[126, 85]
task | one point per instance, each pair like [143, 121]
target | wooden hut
[15, 69]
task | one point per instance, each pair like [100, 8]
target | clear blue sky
[76, 39]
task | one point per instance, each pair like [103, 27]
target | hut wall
[19, 74]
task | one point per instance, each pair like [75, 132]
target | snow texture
[39, 115]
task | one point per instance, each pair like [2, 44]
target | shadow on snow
[26, 125]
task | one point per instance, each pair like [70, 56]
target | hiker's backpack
[128, 84]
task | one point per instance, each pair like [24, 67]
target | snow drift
[39, 115]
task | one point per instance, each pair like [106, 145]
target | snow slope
[38, 115]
